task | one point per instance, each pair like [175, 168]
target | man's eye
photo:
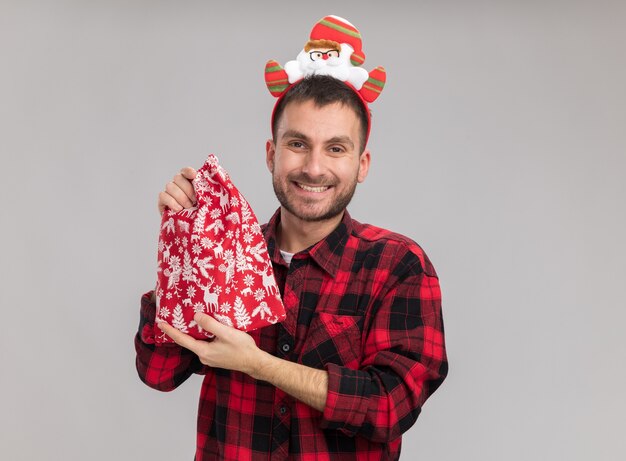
[336, 150]
[333, 54]
[296, 144]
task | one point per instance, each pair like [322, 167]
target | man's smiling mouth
[312, 188]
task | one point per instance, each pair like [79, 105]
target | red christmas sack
[213, 259]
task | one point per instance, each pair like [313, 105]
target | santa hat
[341, 31]
[213, 259]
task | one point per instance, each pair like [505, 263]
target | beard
[308, 210]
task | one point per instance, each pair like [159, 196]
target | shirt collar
[326, 253]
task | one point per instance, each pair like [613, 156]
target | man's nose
[325, 56]
[314, 163]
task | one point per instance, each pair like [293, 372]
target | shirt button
[283, 410]
[286, 347]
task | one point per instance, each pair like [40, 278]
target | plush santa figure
[334, 49]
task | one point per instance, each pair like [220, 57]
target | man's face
[316, 161]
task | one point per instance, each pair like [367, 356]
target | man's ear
[364, 165]
[270, 151]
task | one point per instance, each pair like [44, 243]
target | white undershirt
[286, 256]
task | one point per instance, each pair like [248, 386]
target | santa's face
[326, 61]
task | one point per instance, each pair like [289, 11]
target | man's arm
[236, 350]
[309, 385]
[403, 363]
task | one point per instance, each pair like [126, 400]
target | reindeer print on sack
[210, 297]
[212, 258]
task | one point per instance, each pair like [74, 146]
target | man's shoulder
[394, 244]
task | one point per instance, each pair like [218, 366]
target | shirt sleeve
[163, 367]
[404, 362]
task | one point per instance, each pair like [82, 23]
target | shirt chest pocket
[334, 339]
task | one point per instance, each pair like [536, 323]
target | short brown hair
[324, 90]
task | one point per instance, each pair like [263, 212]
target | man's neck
[295, 235]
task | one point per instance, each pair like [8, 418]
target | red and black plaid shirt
[363, 304]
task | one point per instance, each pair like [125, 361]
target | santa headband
[334, 48]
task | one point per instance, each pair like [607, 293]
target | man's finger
[173, 189]
[189, 173]
[179, 337]
[166, 200]
[211, 325]
[186, 187]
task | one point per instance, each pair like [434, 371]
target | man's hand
[179, 192]
[231, 349]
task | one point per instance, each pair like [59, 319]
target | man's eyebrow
[341, 140]
[295, 134]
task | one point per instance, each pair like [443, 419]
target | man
[362, 346]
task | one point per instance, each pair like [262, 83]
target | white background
[498, 144]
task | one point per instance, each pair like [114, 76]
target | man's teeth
[312, 189]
